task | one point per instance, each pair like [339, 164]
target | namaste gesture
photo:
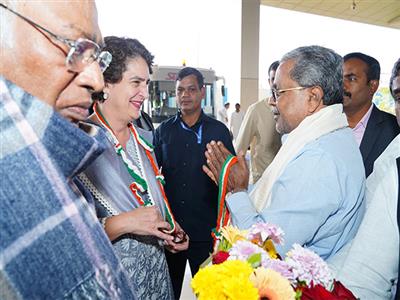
[216, 155]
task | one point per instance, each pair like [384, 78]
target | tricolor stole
[139, 184]
[223, 212]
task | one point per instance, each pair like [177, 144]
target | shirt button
[184, 185]
[187, 145]
[183, 202]
[184, 164]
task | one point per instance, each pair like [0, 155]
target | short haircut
[123, 49]
[395, 73]
[318, 66]
[191, 71]
[273, 67]
[374, 68]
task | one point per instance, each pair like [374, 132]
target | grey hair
[395, 73]
[318, 66]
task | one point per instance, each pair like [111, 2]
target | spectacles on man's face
[277, 93]
[82, 52]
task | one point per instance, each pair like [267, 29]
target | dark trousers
[196, 254]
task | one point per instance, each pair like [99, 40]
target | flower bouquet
[246, 265]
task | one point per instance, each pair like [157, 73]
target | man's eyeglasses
[277, 93]
[82, 52]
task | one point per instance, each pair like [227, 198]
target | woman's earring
[105, 96]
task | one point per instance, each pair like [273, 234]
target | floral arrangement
[246, 265]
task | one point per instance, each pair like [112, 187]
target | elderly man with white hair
[314, 188]
[51, 244]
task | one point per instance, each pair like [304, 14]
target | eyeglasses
[82, 53]
[277, 93]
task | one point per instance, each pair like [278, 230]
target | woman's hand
[180, 241]
[140, 221]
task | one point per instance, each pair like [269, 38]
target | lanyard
[198, 133]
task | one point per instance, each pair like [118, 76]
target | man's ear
[107, 87]
[373, 86]
[315, 100]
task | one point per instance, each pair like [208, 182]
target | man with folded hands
[314, 188]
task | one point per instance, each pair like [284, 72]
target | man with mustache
[369, 265]
[51, 245]
[373, 129]
[314, 187]
[179, 144]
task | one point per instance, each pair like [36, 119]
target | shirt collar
[202, 118]
[364, 120]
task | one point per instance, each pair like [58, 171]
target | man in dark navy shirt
[180, 143]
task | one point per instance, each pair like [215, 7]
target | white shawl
[311, 128]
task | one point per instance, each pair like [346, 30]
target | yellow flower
[240, 289]
[232, 234]
[236, 284]
[206, 284]
[229, 280]
[272, 285]
[270, 248]
[235, 268]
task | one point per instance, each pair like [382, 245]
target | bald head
[34, 60]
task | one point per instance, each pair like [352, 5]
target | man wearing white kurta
[236, 120]
[369, 266]
[223, 114]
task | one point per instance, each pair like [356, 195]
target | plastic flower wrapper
[229, 280]
[271, 285]
[247, 251]
[308, 268]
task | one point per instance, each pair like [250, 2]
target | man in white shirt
[369, 266]
[223, 114]
[235, 121]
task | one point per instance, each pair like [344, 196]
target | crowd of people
[103, 206]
